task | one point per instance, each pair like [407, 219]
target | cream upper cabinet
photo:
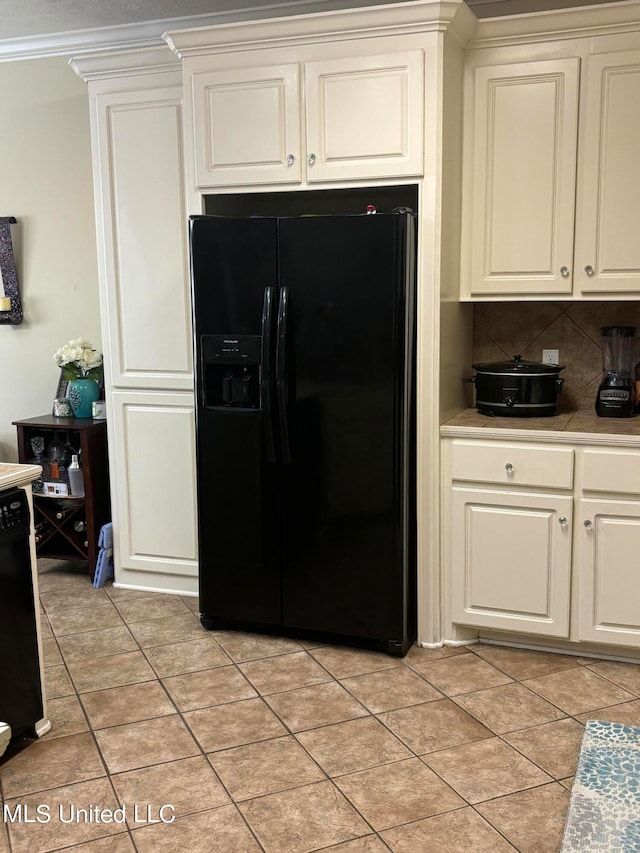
[551, 204]
[247, 125]
[331, 119]
[607, 256]
[520, 172]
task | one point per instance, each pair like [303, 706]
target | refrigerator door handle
[282, 381]
[266, 385]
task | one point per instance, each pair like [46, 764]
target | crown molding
[390, 19]
[104, 65]
[577, 22]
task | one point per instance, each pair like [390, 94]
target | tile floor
[284, 746]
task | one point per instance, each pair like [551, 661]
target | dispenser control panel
[231, 349]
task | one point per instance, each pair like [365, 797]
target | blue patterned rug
[604, 812]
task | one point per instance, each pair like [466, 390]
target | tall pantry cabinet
[141, 220]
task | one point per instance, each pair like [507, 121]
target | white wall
[46, 183]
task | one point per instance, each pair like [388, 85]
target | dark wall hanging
[13, 312]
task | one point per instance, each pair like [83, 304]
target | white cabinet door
[365, 116]
[609, 549]
[511, 560]
[520, 173]
[247, 126]
[142, 238]
[608, 216]
[153, 461]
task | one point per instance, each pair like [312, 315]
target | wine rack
[57, 517]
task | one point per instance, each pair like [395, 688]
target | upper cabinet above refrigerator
[251, 123]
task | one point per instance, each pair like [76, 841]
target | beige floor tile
[626, 675]
[389, 689]
[319, 705]
[554, 747]
[192, 602]
[110, 671]
[50, 764]
[188, 656]
[284, 672]
[628, 713]
[220, 830]
[343, 662]
[188, 785]
[533, 820]
[417, 655]
[508, 708]
[366, 844]
[305, 818]
[243, 647]
[398, 793]
[265, 768]
[169, 629]
[75, 620]
[66, 825]
[57, 682]
[66, 717]
[460, 831]
[523, 663]
[434, 725]
[578, 690]
[113, 844]
[84, 595]
[4, 838]
[51, 653]
[116, 594]
[352, 745]
[485, 770]
[461, 674]
[145, 743]
[209, 687]
[224, 726]
[96, 644]
[45, 626]
[129, 704]
[153, 606]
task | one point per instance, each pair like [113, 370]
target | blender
[616, 392]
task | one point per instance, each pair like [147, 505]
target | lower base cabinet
[558, 560]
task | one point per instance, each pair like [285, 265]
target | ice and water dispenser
[231, 369]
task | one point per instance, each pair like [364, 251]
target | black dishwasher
[21, 704]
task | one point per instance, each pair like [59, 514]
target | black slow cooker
[517, 388]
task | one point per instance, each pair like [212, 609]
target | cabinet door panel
[364, 116]
[520, 178]
[609, 187]
[247, 123]
[154, 467]
[609, 589]
[141, 179]
[511, 561]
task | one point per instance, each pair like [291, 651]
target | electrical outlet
[551, 356]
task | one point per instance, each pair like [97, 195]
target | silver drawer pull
[290, 160]
[509, 468]
[588, 524]
[589, 270]
[311, 159]
[564, 272]
[563, 521]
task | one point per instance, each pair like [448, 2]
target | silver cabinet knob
[589, 270]
[564, 272]
[509, 468]
[290, 160]
[563, 521]
[588, 524]
[311, 159]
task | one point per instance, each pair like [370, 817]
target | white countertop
[575, 427]
[13, 474]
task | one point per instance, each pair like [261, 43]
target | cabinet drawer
[520, 465]
[606, 471]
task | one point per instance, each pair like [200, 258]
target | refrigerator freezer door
[348, 516]
[234, 271]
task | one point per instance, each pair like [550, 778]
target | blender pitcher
[616, 392]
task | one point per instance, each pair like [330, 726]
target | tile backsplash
[504, 329]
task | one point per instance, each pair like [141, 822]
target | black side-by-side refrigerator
[304, 345]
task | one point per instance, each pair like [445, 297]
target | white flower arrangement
[79, 360]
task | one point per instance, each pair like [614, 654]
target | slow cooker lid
[518, 367]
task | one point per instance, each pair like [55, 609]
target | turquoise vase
[81, 394]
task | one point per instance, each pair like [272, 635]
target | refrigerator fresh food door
[348, 523]
[234, 277]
